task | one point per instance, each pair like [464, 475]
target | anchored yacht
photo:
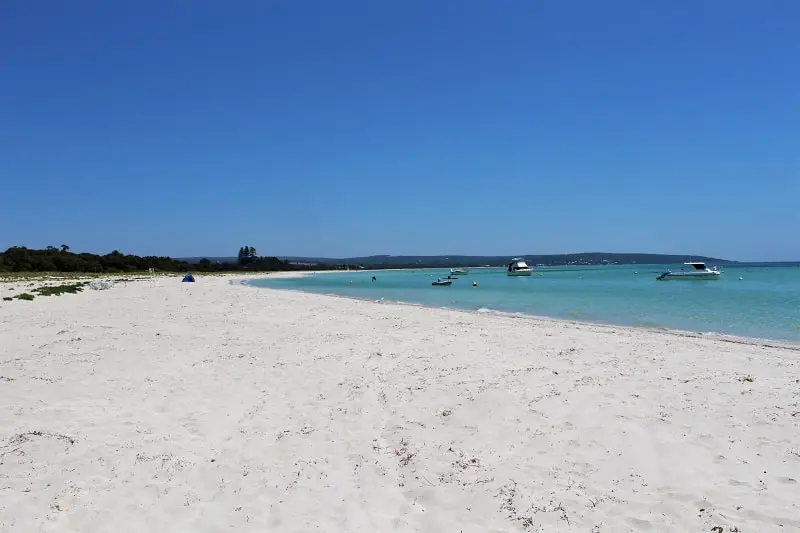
[698, 271]
[518, 267]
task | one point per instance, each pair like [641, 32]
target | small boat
[443, 282]
[518, 267]
[698, 271]
[459, 271]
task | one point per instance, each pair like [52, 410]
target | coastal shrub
[19, 259]
[25, 296]
[58, 290]
[7, 298]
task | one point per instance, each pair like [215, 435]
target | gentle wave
[762, 305]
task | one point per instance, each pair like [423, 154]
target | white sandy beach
[213, 406]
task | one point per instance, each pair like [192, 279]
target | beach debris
[564, 516]
[748, 379]
[163, 465]
[463, 464]
[507, 493]
[22, 438]
[404, 452]
[100, 285]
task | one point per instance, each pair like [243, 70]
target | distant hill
[419, 261]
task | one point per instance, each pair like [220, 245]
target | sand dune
[213, 406]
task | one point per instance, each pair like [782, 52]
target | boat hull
[516, 273]
[689, 276]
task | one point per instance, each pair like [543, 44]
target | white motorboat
[518, 267]
[459, 271]
[697, 271]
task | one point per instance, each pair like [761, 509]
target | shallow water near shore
[764, 303]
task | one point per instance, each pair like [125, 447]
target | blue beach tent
[188, 278]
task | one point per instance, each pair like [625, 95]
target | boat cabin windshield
[699, 266]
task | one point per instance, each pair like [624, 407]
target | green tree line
[53, 259]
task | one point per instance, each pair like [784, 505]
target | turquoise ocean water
[764, 303]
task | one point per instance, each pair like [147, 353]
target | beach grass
[56, 276]
[24, 296]
[58, 290]
[117, 276]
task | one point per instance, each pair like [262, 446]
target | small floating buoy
[474, 283]
[351, 282]
[636, 272]
[740, 277]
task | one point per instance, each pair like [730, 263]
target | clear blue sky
[340, 128]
